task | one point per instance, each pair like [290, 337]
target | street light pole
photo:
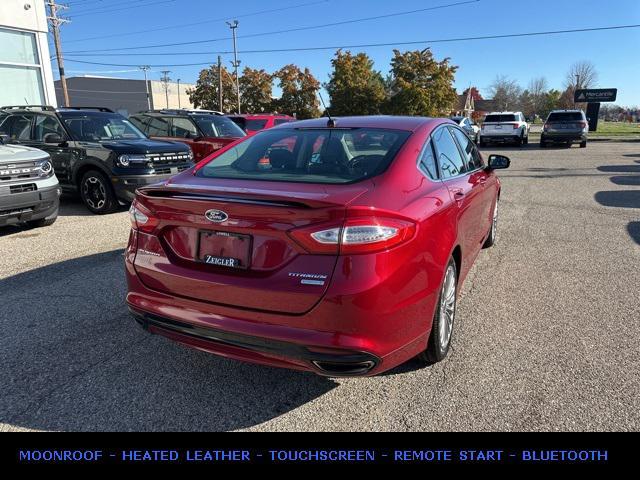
[165, 82]
[145, 68]
[236, 63]
[55, 27]
[178, 93]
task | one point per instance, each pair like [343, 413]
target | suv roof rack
[99, 109]
[47, 108]
[183, 111]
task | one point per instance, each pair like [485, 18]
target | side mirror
[498, 161]
[4, 139]
[53, 138]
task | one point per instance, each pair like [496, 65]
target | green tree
[420, 85]
[299, 92]
[255, 90]
[354, 87]
[205, 93]
[552, 102]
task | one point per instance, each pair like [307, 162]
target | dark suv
[95, 152]
[205, 131]
[565, 126]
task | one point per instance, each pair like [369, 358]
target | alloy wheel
[95, 193]
[447, 307]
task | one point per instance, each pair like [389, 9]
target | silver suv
[29, 190]
[565, 126]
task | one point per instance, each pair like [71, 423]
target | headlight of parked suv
[191, 155]
[126, 160]
[46, 169]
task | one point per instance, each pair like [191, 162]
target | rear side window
[451, 163]
[158, 127]
[473, 159]
[139, 122]
[565, 117]
[280, 121]
[427, 162]
[254, 125]
[183, 128]
[309, 156]
[17, 127]
[501, 118]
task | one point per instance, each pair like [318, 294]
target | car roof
[259, 116]
[503, 113]
[566, 111]
[371, 121]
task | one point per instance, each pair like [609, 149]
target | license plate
[498, 127]
[224, 249]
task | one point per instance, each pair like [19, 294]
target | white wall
[159, 100]
[31, 16]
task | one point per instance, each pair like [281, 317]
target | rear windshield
[564, 116]
[500, 118]
[254, 125]
[217, 126]
[309, 156]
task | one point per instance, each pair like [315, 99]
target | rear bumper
[23, 207]
[563, 137]
[252, 348]
[500, 138]
[342, 335]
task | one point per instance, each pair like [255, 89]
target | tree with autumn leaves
[418, 84]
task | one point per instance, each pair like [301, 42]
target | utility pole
[236, 63]
[145, 68]
[55, 22]
[577, 87]
[165, 82]
[220, 84]
[178, 93]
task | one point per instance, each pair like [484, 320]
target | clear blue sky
[616, 54]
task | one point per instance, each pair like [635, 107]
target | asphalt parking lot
[547, 335]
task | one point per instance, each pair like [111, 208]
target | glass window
[46, 124]
[451, 163]
[428, 162]
[18, 127]
[139, 122]
[97, 127]
[313, 156]
[18, 47]
[254, 125]
[564, 117]
[218, 126]
[280, 121]
[20, 85]
[183, 128]
[158, 127]
[500, 118]
[473, 158]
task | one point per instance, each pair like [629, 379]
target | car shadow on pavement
[634, 231]
[619, 198]
[73, 359]
[632, 180]
[72, 206]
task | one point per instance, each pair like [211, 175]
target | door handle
[458, 194]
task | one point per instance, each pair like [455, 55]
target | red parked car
[253, 123]
[205, 131]
[335, 256]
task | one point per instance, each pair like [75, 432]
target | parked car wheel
[583, 144]
[442, 328]
[491, 239]
[96, 192]
[543, 144]
[482, 143]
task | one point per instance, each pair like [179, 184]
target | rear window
[309, 156]
[217, 126]
[254, 125]
[564, 117]
[501, 118]
[280, 121]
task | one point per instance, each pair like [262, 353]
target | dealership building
[125, 96]
[25, 68]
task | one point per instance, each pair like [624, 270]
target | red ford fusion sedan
[336, 246]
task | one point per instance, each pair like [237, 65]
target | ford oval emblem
[216, 216]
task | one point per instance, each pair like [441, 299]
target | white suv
[504, 127]
[29, 190]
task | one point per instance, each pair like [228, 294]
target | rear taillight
[516, 125]
[583, 124]
[545, 127]
[357, 235]
[141, 218]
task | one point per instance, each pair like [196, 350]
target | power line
[94, 12]
[296, 29]
[182, 25]
[369, 45]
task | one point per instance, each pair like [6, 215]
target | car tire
[520, 140]
[42, 222]
[526, 140]
[543, 144]
[443, 318]
[482, 143]
[583, 144]
[97, 193]
[493, 232]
